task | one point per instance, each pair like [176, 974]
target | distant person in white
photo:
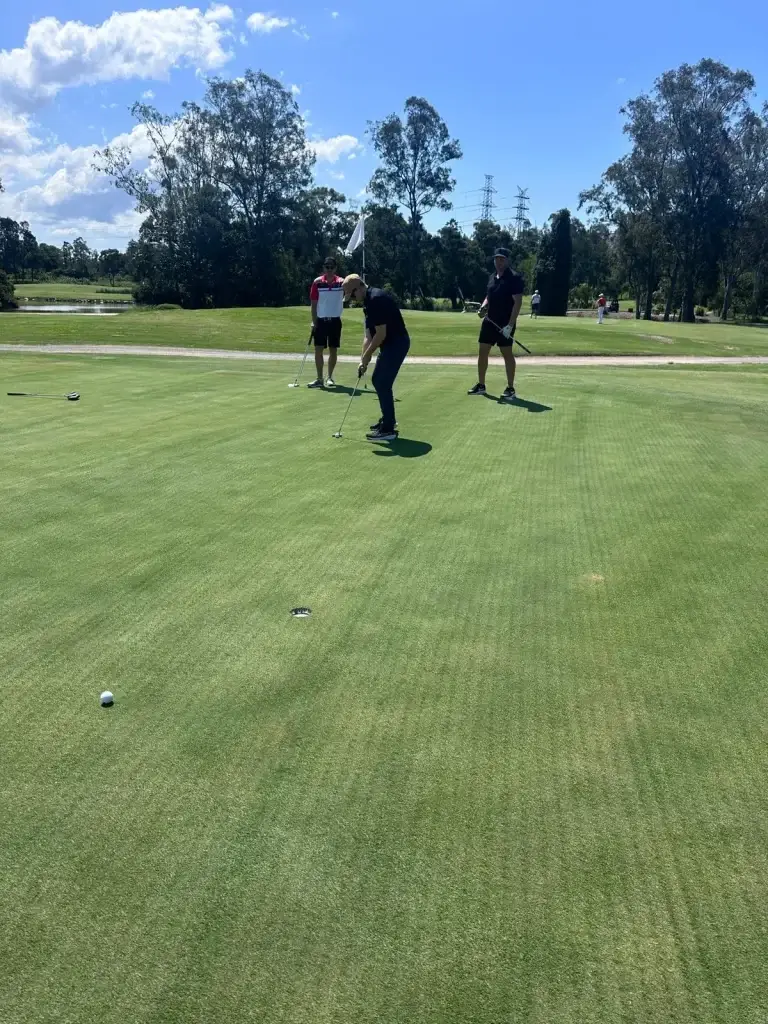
[601, 304]
[535, 303]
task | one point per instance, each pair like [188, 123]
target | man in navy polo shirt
[500, 309]
[386, 332]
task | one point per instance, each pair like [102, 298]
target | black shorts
[328, 333]
[490, 336]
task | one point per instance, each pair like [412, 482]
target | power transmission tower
[488, 193]
[521, 210]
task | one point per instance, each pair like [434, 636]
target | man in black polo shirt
[386, 332]
[500, 308]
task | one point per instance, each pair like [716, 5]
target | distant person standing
[601, 304]
[535, 303]
[326, 297]
[385, 332]
[501, 307]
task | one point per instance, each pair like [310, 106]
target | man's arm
[314, 295]
[516, 309]
[373, 342]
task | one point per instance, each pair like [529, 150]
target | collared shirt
[329, 296]
[380, 308]
[502, 292]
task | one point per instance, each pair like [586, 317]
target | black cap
[501, 252]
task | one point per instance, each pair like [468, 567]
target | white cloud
[266, 23]
[620, 81]
[352, 156]
[57, 189]
[135, 44]
[148, 95]
[334, 14]
[296, 90]
[331, 150]
[16, 133]
[219, 13]
[336, 175]
[301, 32]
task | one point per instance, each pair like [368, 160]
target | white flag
[357, 239]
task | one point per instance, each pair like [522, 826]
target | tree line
[26, 259]
[232, 216]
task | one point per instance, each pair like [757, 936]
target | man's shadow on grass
[405, 447]
[520, 403]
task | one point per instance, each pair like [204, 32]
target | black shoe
[509, 395]
[478, 389]
[316, 383]
[379, 433]
[376, 426]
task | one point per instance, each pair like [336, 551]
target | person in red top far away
[327, 301]
[601, 308]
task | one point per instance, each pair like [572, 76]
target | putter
[306, 353]
[514, 339]
[354, 392]
[73, 396]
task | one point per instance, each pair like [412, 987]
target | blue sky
[532, 95]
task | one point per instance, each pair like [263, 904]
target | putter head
[293, 385]
[338, 434]
[73, 396]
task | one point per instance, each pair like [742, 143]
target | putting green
[512, 767]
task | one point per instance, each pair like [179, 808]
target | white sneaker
[330, 383]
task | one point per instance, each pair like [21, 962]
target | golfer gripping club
[503, 299]
[73, 396]
[514, 339]
[387, 336]
[306, 353]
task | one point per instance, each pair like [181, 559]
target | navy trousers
[390, 358]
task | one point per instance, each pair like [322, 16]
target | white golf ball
[106, 699]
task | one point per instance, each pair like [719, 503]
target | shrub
[630, 309]
[580, 297]
[6, 292]
[700, 311]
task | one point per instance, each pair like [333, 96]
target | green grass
[433, 334]
[68, 291]
[512, 769]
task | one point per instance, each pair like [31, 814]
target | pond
[92, 309]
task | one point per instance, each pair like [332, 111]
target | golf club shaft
[349, 406]
[514, 339]
[31, 394]
[303, 361]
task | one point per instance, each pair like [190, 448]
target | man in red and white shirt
[601, 304]
[327, 300]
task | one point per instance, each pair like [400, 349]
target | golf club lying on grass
[514, 339]
[73, 396]
[360, 375]
[306, 353]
